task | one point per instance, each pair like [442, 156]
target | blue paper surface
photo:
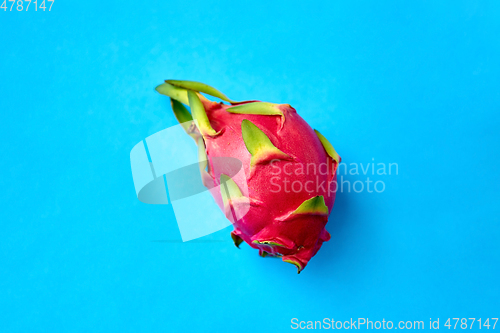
[410, 87]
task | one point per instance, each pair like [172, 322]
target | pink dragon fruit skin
[289, 181]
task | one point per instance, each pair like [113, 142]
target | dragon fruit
[281, 203]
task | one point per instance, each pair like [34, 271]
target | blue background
[390, 82]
